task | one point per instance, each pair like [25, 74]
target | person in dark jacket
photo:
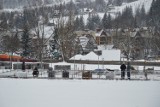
[35, 72]
[128, 71]
[23, 66]
[123, 68]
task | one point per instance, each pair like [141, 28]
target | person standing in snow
[35, 72]
[23, 66]
[128, 71]
[123, 68]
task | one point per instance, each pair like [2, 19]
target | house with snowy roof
[102, 37]
[141, 38]
[138, 39]
[90, 12]
[87, 43]
[106, 55]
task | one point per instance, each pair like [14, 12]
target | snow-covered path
[78, 93]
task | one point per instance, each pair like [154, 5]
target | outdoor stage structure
[18, 62]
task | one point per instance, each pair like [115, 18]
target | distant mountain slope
[11, 4]
[134, 5]
[19, 4]
[116, 9]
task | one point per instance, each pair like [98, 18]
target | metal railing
[78, 74]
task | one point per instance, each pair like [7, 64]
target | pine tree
[11, 43]
[100, 5]
[93, 22]
[11, 20]
[137, 18]
[26, 42]
[117, 21]
[118, 2]
[3, 22]
[109, 21]
[140, 17]
[54, 44]
[104, 21]
[135, 22]
[127, 18]
[154, 14]
[96, 20]
[77, 23]
[81, 23]
[90, 23]
[143, 16]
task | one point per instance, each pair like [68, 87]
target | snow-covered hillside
[66, 1]
[134, 5]
[113, 11]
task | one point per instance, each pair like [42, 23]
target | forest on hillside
[125, 19]
[26, 3]
[37, 18]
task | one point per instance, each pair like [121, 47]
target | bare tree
[11, 42]
[64, 28]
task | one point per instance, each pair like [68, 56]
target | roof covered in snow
[83, 41]
[89, 56]
[48, 31]
[107, 55]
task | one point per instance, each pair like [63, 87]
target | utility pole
[128, 56]
[74, 63]
[98, 62]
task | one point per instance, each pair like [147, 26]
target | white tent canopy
[89, 56]
[107, 55]
[92, 56]
[77, 57]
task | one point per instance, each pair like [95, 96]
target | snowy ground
[78, 93]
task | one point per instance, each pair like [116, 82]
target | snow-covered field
[78, 93]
